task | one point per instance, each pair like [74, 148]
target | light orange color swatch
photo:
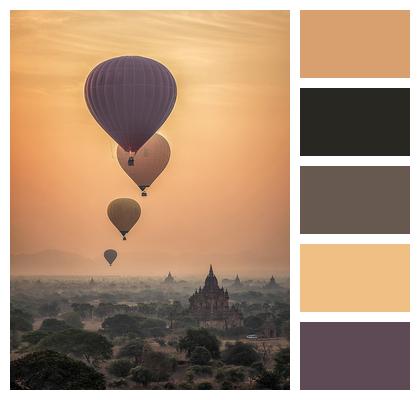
[352, 278]
[355, 44]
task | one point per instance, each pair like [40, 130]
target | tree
[48, 370]
[268, 380]
[152, 327]
[200, 356]
[159, 364]
[34, 337]
[282, 366]
[204, 386]
[118, 383]
[84, 309]
[200, 370]
[226, 385]
[230, 374]
[200, 337]
[141, 375]
[133, 349]
[104, 310]
[72, 319]
[20, 320]
[53, 325]
[49, 309]
[14, 340]
[240, 354]
[121, 325]
[253, 322]
[17, 323]
[120, 368]
[89, 345]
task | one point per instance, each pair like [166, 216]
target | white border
[295, 159]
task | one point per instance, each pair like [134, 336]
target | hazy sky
[224, 197]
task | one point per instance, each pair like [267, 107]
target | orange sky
[224, 197]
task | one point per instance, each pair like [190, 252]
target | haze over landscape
[224, 196]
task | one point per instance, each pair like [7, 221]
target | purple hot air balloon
[130, 97]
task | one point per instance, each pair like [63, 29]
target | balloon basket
[143, 194]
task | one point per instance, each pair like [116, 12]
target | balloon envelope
[149, 161]
[110, 255]
[130, 97]
[124, 213]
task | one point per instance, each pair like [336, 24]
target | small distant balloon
[124, 213]
[130, 97]
[149, 161]
[110, 255]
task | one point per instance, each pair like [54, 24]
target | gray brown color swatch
[355, 355]
[355, 200]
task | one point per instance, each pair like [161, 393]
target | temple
[210, 306]
[237, 284]
[169, 279]
[272, 284]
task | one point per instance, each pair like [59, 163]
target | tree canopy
[200, 356]
[141, 375]
[240, 354]
[133, 349]
[120, 368]
[53, 325]
[159, 364]
[72, 319]
[282, 366]
[17, 323]
[92, 346]
[121, 325]
[253, 322]
[48, 370]
[34, 337]
[49, 309]
[200, 337]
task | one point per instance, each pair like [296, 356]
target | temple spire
[211, 271]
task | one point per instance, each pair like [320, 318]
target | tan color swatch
[355, 44]
[352, 278]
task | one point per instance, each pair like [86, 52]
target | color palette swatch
[366, 126]
[355, 355]
[355, 44]
[355, 122]
[355, 277]
[356, 200]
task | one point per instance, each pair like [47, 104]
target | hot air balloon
[150, 161]
[130, 97]
[124, 213]
[110, 255]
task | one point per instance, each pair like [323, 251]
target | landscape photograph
[150, 244]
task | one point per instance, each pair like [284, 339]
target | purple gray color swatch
[355, 355]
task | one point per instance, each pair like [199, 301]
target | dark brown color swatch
[358, 200]
[355, 355]
[355, 122]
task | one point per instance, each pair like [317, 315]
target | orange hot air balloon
[110, 255]
[149, 161]
[124, 213]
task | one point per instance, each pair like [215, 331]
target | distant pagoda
[210, 306]
[91, 282]
[169, 279]
[237, 284]
[272, 284]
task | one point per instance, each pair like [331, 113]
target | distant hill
[53, 262]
